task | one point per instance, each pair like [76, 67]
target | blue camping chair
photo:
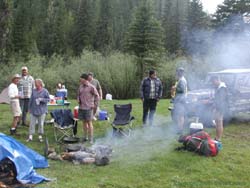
[64, 124]
[123, 121]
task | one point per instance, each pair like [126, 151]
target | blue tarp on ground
[24, 158]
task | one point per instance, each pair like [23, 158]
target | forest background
[119, 40]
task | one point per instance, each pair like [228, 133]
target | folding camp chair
[122, 124]
[64, 124]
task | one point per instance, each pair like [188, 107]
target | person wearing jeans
[25, 86]
[151, 92]
[38, 109]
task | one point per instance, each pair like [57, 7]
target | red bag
[208, 148]
[201, 143]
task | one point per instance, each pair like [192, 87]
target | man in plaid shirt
[151, 92]
[25, 86]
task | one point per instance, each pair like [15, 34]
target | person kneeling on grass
[38, 109]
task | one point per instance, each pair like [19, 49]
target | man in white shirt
[14, 102]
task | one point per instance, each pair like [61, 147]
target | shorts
[86, 115]
[218, 115]
[15, 108]
[179, 109]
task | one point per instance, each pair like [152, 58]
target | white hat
[24, 68]
[16, 76]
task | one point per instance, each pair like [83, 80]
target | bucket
[76, 112]
[103, 115]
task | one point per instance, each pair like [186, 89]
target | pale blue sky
[210, 5]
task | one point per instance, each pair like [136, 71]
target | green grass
[148, 158]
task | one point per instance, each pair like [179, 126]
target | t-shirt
[181, 91]
[13, 92]
[221, 98]
[96, 83]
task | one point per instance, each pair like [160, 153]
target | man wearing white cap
[25, 87]
[14, 102]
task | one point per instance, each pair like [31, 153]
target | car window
[243, 82]
[229, 79]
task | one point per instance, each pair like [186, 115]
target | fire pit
[79, 154]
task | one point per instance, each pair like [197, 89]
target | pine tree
[5, 21]
[38, 20]
[230, 13]
[174, 22]
[145, 35]
[195, 38]
[172, 30]
[54, 33]
[84, 26]
[21, 39]
[197, 18]
[104, 30]
[123, 16]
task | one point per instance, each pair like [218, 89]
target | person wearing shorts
[220, 104]
[180, 99]
[14, 102]
[87, 98]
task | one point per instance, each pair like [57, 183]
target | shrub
[118, 73]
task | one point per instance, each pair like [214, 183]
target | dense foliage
[49, 36]
[69, 26]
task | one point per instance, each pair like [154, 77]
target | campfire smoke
[143, 144]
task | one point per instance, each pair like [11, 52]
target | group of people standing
[88, 97]
[28, 95]
[151, 92]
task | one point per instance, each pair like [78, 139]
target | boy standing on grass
[14, 102]
[87, 98]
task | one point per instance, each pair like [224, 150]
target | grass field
[148, 158]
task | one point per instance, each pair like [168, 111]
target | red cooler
[76, 112]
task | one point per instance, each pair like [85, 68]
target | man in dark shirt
[151, 92]
[220, 104]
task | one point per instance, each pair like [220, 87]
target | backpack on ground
[200, 142]
[209, 147]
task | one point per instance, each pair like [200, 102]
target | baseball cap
[24, 68]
